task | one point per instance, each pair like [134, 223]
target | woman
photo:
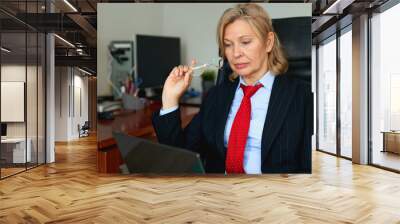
[260, 121]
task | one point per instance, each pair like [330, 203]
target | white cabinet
[17, 145]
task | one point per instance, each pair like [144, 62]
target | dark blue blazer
[286, 137]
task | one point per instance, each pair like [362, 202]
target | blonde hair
[261, 23]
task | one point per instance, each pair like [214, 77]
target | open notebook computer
[143, 156]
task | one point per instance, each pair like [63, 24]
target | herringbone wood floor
[71, 191]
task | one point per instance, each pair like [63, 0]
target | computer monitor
[3, 129]
[156, 56]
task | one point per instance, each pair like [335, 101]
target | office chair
[295, 37]
[84, 130]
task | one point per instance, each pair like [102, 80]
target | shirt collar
[267, 81]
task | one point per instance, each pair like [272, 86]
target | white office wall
[67, 114]
[80, 104]
[194, 23]
[62, 81]
[121, 21]
[82, 82]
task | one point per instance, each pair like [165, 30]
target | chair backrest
[86, 125]
[295, 36]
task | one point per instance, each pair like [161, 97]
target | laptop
[143, 156]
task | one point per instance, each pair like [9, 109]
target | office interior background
[49, 82]
[45, 89]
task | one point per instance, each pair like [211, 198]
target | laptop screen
[143, 156]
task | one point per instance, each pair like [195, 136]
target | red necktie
[239, 131]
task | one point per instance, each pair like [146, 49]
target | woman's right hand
[177, 83]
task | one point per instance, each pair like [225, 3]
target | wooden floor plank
[71, 191]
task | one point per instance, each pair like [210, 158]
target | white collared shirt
[259, 108]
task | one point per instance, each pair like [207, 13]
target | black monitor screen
[3, 129]
[156, 56]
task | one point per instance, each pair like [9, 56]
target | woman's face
[246, 53]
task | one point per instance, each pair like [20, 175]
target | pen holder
[131, 102]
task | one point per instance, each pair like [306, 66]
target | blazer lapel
[225, 101]
[281, 96]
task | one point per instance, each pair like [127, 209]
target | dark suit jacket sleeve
[168, 127]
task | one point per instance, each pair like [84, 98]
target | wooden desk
[136, 123]
[391, 141]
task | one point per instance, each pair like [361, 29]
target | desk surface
[137, 123]
[13, 140]
[390, 132]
